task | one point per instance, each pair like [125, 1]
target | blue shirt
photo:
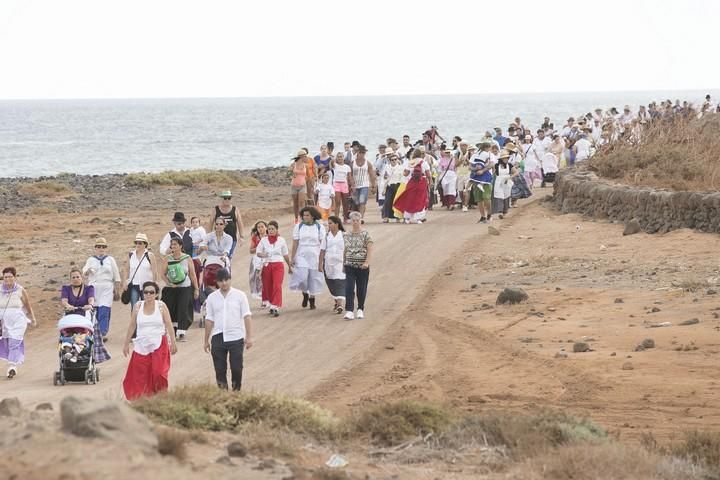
[501, 140]
[477, 163]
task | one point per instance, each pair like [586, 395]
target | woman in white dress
[332, 254]
[15, 315]
[101, 271]
[307, 237]
[502, 188]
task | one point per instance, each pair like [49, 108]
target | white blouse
[334, 247]
[276, 252]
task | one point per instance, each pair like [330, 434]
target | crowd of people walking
[328, 248]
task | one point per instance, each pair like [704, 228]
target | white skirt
[311, 281]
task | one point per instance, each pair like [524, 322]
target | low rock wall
[581, 191]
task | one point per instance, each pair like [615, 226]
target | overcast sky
[214, 48]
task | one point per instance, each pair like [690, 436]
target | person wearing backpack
[181, 232]
[307, 238]
[181, 288]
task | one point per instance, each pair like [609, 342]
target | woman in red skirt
[413, 200]
[149, 366]
[273, 250]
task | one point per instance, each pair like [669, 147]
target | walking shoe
[11, 372]
[181, 337]
[360, 314]
[105, 338]
[312, 303]
[482, 220]
[339, 309]
[306, 297]
[276, 313]
[465, 209]
[349, 315]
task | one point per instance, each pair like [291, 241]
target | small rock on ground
[10, 407]
[44, 406]
[628, 366]
[512, 296]
[493, 231]
[692, 321]
[561, 355]
[580, 347]
[236, 449]
[632, 227]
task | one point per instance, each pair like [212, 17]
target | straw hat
[301, 153]
[504, 154]
[141, 237]
[225, 193]
[100, 241]
[510, 146]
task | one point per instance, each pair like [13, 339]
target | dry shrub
[44, 188]
[700, 447]
[679, 154]
[189, 178]
[266, 441]
[392, 423]
[172, 442]
[605, 461]
[205, 407]
[521, 435]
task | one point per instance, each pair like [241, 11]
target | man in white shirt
[228, 330]
[627, 117]
[180, 231]
[541, 143]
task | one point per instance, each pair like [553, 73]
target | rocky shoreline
[84, 192]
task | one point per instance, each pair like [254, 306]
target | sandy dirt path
[295, 352]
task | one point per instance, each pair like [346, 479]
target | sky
[216, 48]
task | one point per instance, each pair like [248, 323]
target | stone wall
[581, 191]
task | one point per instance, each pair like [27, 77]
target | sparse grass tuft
[392, 423]
[188, 178]
[45, 188]
[172, 442]
[209, 408]
[522, 435]
[602, 462]
[700, 447]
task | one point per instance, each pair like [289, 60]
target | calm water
[46, 137]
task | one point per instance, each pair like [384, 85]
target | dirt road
[297, 351]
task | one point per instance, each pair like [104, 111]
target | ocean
[47, 137]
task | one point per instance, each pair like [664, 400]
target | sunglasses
[100, 246]
[227, 198]
[139, 243]
[219, 224]
[149, 292]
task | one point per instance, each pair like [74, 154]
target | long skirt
[387, 211]
[336, 287]
[99, 350]
[255, 276]
[500, 205]
[520, 188]
[179, 301]
[12, 350]
[307, 280]
[273, 274]
[148, 374]
[414, 198]
[449, 188]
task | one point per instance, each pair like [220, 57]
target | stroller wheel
[97, 375]
[62, 377]
[88, 376]
[56, 378]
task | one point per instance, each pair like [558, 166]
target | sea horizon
[44, 137]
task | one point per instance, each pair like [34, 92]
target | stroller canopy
[75, 321]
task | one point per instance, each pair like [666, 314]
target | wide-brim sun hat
[141, 237]
[504, 154]
[100, 241]
[225, 193]
[511, 147]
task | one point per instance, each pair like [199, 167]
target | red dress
[414, 198]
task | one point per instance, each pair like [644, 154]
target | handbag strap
[137, 268]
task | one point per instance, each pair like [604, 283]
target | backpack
[187, 243]
[175, 271]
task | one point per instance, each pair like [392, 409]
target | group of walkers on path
[329, 191]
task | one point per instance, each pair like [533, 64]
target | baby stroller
[549, 165]
[76, 356]
[213, 264]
